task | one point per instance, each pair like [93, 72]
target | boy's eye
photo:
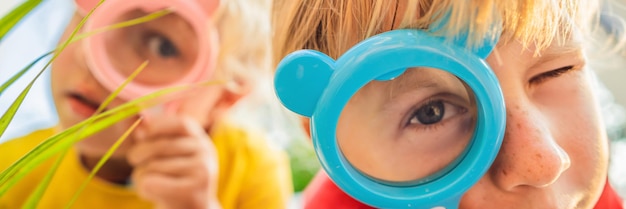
[434, 112]
[162, 46]
[430, 113]
[550, 74]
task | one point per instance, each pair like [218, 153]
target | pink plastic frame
[196, 12]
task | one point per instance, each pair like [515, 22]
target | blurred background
[39, 32]
[609, 63]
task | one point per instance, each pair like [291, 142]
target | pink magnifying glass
[180, 47]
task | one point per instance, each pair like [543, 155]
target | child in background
[555, 151]
[194, 158]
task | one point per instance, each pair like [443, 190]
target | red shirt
[323, 193]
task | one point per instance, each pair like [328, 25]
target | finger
[162, 125]
[162, 148]
[172, 192]
[189, 167]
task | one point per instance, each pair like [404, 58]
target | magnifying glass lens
[409, 130]
[168, 43]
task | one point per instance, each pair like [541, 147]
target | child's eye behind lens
[430, 113]
[162, 46]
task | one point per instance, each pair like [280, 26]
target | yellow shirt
[251, 175]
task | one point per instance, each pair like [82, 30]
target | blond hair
[245, 41]
[333, 26]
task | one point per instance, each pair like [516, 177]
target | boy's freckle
[539, 155]
[504, 172]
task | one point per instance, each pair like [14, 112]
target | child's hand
[175, 164]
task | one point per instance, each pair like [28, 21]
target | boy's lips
[82, 105]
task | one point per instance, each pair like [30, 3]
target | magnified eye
[434, 112]
[430, 113]
[162, 46]
[402, 123]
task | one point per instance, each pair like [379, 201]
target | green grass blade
[10, 171]
[109, 152]
[127, 23]
[6, 118]
[33, 199]
[37, 156]
[10, 113]
[78, 37]
[16, 15]
[19, 74]
[65, 139]
[76, 130]
[117, 91]
[101, 162]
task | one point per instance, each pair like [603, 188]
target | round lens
[168, 43]
[409, 130]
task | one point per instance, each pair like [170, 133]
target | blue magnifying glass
[403, 119]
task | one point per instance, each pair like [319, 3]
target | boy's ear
[84, 6]
[301, 78]
[234, 90]
[227, 101]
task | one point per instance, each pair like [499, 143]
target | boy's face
[554, 153]
[166, 42]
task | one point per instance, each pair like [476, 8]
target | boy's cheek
[204, 105]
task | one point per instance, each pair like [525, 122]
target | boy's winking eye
[555, 61]
[550, 74]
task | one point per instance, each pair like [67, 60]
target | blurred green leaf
[66, 138]
[19, 74]
[7, 117]
[16, 15]
[127, 23]
[33, 199]
[101, 162]
[117, 91]
[303, 161]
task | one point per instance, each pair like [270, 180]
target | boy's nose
[530, 155]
